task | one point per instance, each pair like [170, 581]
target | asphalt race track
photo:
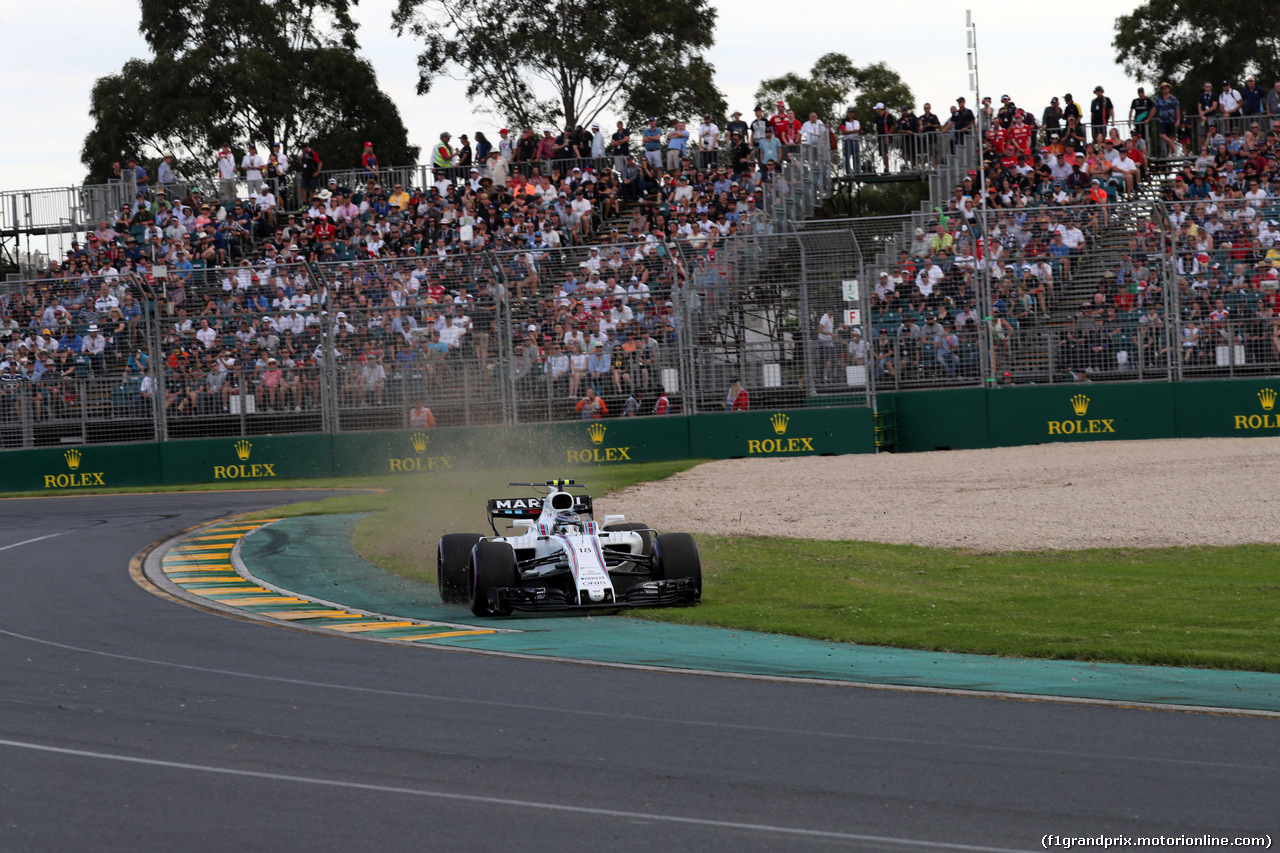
[132, 722]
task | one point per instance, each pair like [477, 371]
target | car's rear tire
[676, 556]
[493, 564]
[453, 553]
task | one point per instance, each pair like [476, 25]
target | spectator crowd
[582, 242]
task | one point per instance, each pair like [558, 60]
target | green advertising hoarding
[797, 432]
[256, 458]
[1240, 408]
[925, 420]
[617, 440]
[99, 466]
[1080, 412]
[405, 451]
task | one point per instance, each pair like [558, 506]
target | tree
[569, 60]
[827, 88]
[1189, 42]
[240, 71]
[823, 92]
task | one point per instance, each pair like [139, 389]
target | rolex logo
[780, 422]
[243, 449]
[73, 457]
[1080, 403]
[596, 431]
[419, 440]
[1267, 398]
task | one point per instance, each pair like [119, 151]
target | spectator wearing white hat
[886, 124]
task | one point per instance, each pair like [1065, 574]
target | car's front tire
[453, 553]
[493, 564]
[676, 556]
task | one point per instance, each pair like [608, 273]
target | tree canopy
[569, 60]
[1189, 42]
[240, 71]
[827, 88]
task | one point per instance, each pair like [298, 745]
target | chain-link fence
[827, 313]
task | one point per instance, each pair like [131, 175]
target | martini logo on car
[780, 421]
[254, 470]
[1081, 426]
[597, 452]
[77, 477]
[418, 462]
[1267, 399]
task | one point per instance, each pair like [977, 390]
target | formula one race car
[564, 561]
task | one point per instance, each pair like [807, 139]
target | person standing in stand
[226, 167]
[442, 156]
[309, 166]
[851, 142]
[885, 126]
[252, 165]
[960, 125]
[1168, 117]
[1141, 113]
[368, 164]
[1101, 113]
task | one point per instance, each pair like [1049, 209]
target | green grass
[1204, 607]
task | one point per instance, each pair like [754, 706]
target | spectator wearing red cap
[506, 146]
[368, 163]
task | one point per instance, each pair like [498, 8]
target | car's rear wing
[530, 508]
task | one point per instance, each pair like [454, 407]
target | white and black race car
[563, 560]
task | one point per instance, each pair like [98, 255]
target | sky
[1027, 52]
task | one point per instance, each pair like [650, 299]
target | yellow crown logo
[596, 431]
[1081, 405]
[242, 449]
[73, 457]
[780, 422]
[1267, 398]
[420, 440]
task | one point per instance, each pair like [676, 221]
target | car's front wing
[662, 593]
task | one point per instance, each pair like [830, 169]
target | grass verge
[1204, 607]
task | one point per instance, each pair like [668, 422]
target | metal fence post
[802, 330]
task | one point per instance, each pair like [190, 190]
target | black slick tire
[453, 553]
[493, 564]
[676, 556]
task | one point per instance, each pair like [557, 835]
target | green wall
[1237, 408]
[799, 432]
[606, 442]
[925, 420]
[79, 467]
[1043, 413]
[259, 457]
[952, 419]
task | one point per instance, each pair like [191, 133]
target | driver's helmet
[567, 517]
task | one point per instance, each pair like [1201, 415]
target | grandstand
[501, 293]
